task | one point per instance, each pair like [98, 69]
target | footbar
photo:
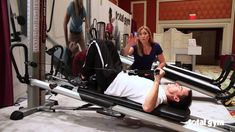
[141, 72]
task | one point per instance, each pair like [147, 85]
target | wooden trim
[226, 24]
[145, 9]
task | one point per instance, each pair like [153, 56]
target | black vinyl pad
[162, 110]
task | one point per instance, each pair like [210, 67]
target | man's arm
[151, 98]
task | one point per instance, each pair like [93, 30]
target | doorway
[210, 39]
[138, 10]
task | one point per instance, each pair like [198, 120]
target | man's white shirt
[134, 88]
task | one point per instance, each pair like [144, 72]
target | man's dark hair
[184, 102]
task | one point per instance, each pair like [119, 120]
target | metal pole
[36, 35]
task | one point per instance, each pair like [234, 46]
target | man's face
[176, 90]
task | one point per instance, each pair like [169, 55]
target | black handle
[61, 55]
[225, 96]
[25, 78]
[141, 72]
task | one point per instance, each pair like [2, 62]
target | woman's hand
[73, 47]
[132, 40]
[128, 50]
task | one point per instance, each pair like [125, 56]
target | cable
[52, 13]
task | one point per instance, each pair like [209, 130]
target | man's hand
[157, 77]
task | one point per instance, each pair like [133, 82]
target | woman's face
[143, 36]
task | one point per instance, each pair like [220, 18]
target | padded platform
[163, 110]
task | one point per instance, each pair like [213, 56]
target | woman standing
[77, 13]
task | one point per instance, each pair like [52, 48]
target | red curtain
[233, 48]
[6, 83]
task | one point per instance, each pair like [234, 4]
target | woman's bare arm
[66, 21]
[161, 60]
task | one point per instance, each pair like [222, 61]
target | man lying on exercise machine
[103, 60]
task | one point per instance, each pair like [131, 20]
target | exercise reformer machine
[117, 104]
[34, 77]
[164, 115]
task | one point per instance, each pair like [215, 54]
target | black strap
[141, 72]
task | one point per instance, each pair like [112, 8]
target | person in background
[76, 14]
[144, 50]
[109, 26]
[75, 42]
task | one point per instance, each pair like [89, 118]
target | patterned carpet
[214, 72]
